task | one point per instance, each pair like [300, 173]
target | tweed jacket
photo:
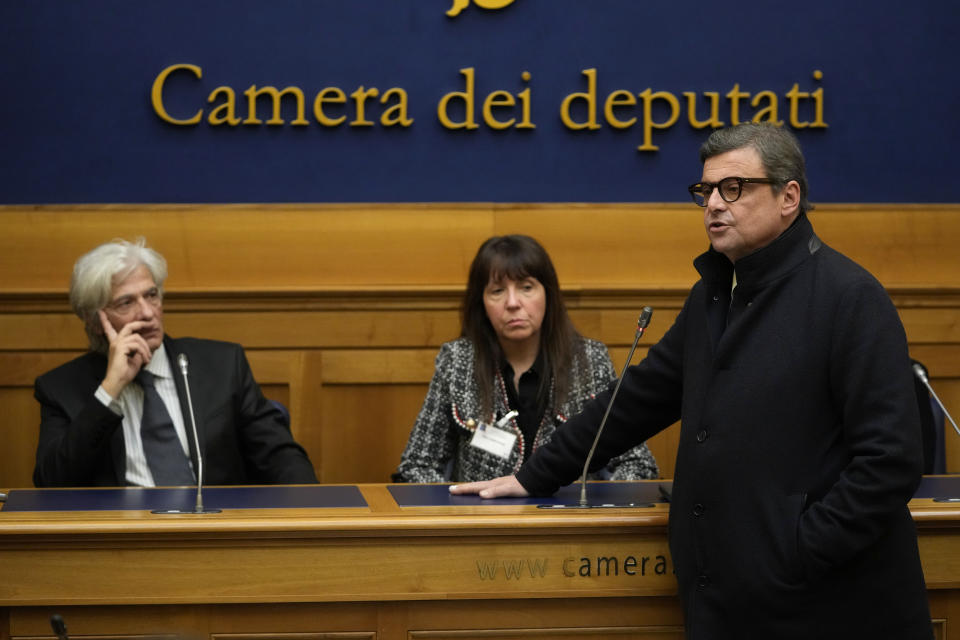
[439, 447]
[799, 449]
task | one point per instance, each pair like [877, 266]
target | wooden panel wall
[342, 307]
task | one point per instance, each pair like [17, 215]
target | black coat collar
[765, 265]
[755, 272]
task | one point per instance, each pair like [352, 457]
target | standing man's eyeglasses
[730, 188]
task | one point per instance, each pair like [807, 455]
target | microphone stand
[182, 361]
[642, 323]
[921, 374]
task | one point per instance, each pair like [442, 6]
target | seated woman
[516, 373]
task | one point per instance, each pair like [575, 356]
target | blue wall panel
[77, 123]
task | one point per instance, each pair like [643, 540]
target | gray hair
[95, 274]
[778, 149]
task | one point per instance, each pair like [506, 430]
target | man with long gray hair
[800, 440]
[118, 415]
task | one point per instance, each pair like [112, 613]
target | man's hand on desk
[502, 487]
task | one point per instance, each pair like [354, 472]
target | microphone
[921, 374]
[59, 627]
[184, 363]
[642, 323]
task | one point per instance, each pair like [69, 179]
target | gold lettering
[359, 98]
[229, 108]
[795, 95]
[502, 109]
[768, 113]
[497, 99]
[714, 120]
[386, 119]
[253, 93]
[327, 96]
[590, 96]
[648, 124]
[492, 4]
[818, 103]
[156, 94]
[458, 6]
[734, 97]
[467, 97]
[524, 97]
[619, 98]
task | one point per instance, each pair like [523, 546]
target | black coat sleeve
[648, 401]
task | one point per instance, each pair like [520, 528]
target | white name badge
[493, 440]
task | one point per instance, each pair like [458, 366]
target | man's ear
[94, 327]
[791, 199]
[96, 323]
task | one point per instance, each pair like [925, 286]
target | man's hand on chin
[127, 354]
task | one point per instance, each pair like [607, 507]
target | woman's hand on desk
[502, 487]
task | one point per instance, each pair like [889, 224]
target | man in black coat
[800, 441]
[94, 429]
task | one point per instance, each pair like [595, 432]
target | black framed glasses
[730, 188]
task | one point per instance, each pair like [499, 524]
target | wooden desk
[385, 571]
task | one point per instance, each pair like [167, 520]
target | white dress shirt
[130, 406]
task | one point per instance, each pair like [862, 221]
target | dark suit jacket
[245, 438]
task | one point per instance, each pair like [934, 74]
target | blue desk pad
[139, 499]
[939, 487]
[598, 494]
[325, 496]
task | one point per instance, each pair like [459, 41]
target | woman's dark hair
[517, 257]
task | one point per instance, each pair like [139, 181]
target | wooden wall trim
[276, 247]
[342, 307]
[336, 299]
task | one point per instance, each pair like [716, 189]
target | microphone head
[58, 625]
[183, 362]
[920, 372]
[645, 315]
